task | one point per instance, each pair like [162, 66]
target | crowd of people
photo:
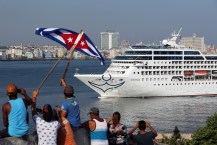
[59, 126]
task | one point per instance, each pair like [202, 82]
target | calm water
[164, 113]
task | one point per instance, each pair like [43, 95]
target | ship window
[191, 53]
[211, 57]
[193, 58]
[168, 52]
[167, 57]
[138, 52]
[133, 58]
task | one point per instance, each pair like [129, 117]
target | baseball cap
[94, 110]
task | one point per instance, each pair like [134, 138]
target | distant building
[29, 55]
[3, 54]
[194, 42]
[48, 54]
[109, 40]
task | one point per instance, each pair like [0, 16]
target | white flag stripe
[50, 29]
[57, 37]
[88, 52]
[92, 47]
[65, 32]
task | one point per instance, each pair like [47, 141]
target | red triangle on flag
[69, 39]
[82, 43]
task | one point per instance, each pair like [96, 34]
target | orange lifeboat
[188, 73]
[201, 72]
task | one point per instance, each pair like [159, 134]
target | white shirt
[47, 131]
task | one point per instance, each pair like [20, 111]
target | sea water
[164, 113]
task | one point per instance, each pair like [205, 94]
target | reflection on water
[164, 113]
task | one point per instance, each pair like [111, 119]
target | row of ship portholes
[186, 62]
[177, 67]
[195, 83]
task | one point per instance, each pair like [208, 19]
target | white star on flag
[82, 43]
[69, 39]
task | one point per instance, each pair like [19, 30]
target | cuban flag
[68, 38]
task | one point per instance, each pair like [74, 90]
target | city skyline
[146, 21]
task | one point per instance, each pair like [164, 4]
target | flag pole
[71, 54]
[52, 69]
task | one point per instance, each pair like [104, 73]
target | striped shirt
[99, 135]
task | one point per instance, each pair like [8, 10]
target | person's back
[98, 128]
[144, 139]
[46, 127]
[14, 113]
[47, 131]
[99, 134]
[17, 118]
[71, 106]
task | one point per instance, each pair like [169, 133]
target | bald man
[15, 112]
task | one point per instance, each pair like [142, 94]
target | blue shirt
[17, 118]
[71, 106]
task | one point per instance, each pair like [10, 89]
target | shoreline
[183, 135]
[159, 137]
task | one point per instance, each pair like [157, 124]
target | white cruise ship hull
[123, 86]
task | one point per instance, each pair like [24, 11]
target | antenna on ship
[172, 41]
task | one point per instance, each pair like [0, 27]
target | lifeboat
[188, 73]
[201, 72]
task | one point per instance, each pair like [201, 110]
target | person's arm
[134, 128]
[34, 96]
[148, 124]
[5, 111]
[61, 113]
[27, 99]
[63, 83]
[109, 119]
[85, 125]
[91, 125]
[63, 109]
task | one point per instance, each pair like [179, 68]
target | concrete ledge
[81, 136]
[30, 139]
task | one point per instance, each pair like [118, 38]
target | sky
[149, 21]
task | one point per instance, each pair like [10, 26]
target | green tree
[208, 134]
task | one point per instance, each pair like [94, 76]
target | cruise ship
[168, 69]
